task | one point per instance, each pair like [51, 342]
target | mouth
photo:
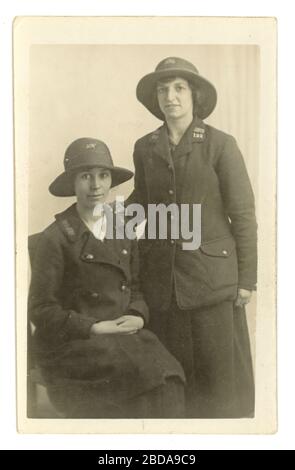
[171, 106]
[95, 196]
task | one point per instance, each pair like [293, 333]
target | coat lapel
[70, 223]
[160, 144]
[92, 250]
[195, 134]
[194, 144]
[96, 251]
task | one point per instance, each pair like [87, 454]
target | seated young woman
[98, 358]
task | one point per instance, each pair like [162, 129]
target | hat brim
[146, 87]
[63, 185]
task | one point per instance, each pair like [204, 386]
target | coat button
[88, 256]
[123, 287]
[172, 242]
[124, 252]
[170, 167]
[224, 252]
[95, 295]
[171, 192]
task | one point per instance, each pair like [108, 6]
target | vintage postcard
[146, 225]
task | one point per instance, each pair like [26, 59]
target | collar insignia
[199, 134]
[68, 229]
[155, 135]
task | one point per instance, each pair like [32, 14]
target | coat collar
[160, 143]
[195, 134]
[71, 224]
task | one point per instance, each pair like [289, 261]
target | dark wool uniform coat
[78, 280]
[207, 168]
[191, 293]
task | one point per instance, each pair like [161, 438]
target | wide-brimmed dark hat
[86, 153]
[176, 67]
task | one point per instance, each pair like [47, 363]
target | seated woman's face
[92, 187]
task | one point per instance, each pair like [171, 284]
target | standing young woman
[97, 357]
[197, 297]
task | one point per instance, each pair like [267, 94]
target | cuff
[140, 309]
[247, 287]
[76, 326]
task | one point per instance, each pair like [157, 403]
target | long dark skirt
[114, 376]
[165, 401]
[212, 345]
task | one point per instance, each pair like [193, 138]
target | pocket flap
[222, 247]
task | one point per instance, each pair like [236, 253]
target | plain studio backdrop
[89, 91]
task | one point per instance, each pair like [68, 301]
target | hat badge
[90, 146]
[170, 61]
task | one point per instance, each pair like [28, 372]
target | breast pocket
[219, 257]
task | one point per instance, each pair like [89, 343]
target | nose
[95, 181]
[170, 94]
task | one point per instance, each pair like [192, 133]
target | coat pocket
[220, 260]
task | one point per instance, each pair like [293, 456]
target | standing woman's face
[92, 187]
[175, 98]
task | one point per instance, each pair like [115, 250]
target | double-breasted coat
[191, 293]
[78, 280]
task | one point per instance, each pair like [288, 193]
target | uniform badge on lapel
[68, 229]
[153, 139]
[155, 135]
[199, 134]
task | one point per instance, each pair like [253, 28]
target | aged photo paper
[76, 77]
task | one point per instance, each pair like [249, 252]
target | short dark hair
[191, 85]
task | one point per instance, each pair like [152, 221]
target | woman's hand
[104, 328]
[124, 325]
[243, 297]
[130, 324]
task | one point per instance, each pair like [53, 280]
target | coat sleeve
[239, 203]
[137, 305]
[45, 307]
[139, 194]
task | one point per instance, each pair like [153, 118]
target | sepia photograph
[145, 232]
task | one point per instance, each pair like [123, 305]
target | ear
[199, 98]
[72, 181]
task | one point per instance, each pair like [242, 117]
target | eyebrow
[101, 170]
[175, 82]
